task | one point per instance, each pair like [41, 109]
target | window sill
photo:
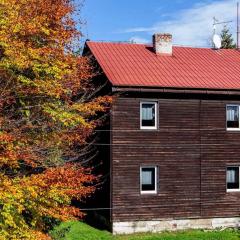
[151, 128]
[148, 193]
[233, 190]
[233, 129]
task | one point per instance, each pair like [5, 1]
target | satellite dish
[217, 41]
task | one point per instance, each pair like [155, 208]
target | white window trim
[237, 189]
[156, 172]
[233, 129]
[156, 115]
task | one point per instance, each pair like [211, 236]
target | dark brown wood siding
[191, 149]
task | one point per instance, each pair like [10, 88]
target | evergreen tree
[227, 39]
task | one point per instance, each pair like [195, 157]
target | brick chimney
[162, 44]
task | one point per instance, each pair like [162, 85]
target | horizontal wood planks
[191, 149]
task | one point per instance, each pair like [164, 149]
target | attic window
[233, 117]
[148, 115]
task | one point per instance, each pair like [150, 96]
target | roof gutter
[175, 90]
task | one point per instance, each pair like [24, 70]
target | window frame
[155, 127]
[145, 192]
[233, 105]
[236, 189]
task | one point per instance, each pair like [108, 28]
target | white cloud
[194, 26]
[137, 39]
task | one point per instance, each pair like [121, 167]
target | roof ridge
[150, 45]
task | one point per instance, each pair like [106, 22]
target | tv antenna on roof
[216, 38]
[216, 22]
[238, 29]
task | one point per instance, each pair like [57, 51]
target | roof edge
[175, 90]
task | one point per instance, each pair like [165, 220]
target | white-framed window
[233, 117]
[233, 178]
[148, 115]
[148, 179]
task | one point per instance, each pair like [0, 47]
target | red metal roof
[137, 65]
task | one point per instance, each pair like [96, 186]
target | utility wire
[150, 206]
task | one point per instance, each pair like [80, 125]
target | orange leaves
[9, 151]
[13, 150]
[26, 201]
[69, 213]
[73, 180]
[62, 184]
[94, 107]
[44, 17]
[45, 102]
[47, 115]
[40, 235]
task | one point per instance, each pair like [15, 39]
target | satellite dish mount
[217, 41]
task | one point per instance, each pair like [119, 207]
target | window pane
[148, 115]
[233, 178]
[232, 117]
[148, 179]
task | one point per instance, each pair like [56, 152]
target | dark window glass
[148, 179]
[232, 116]
[233, 178]
[148, 115]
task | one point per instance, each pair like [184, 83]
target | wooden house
[174, 135]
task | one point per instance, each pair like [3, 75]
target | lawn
[81, 231]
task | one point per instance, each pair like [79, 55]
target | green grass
[78, 231]
[81, 231]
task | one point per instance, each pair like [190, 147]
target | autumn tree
[227, 39]
[47, 116]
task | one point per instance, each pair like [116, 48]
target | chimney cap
[163, 34]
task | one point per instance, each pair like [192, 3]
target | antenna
[216, 22]
[217, 42]
[238, 30]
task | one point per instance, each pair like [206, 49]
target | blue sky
[190, 22]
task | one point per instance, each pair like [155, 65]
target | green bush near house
[82, 231]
